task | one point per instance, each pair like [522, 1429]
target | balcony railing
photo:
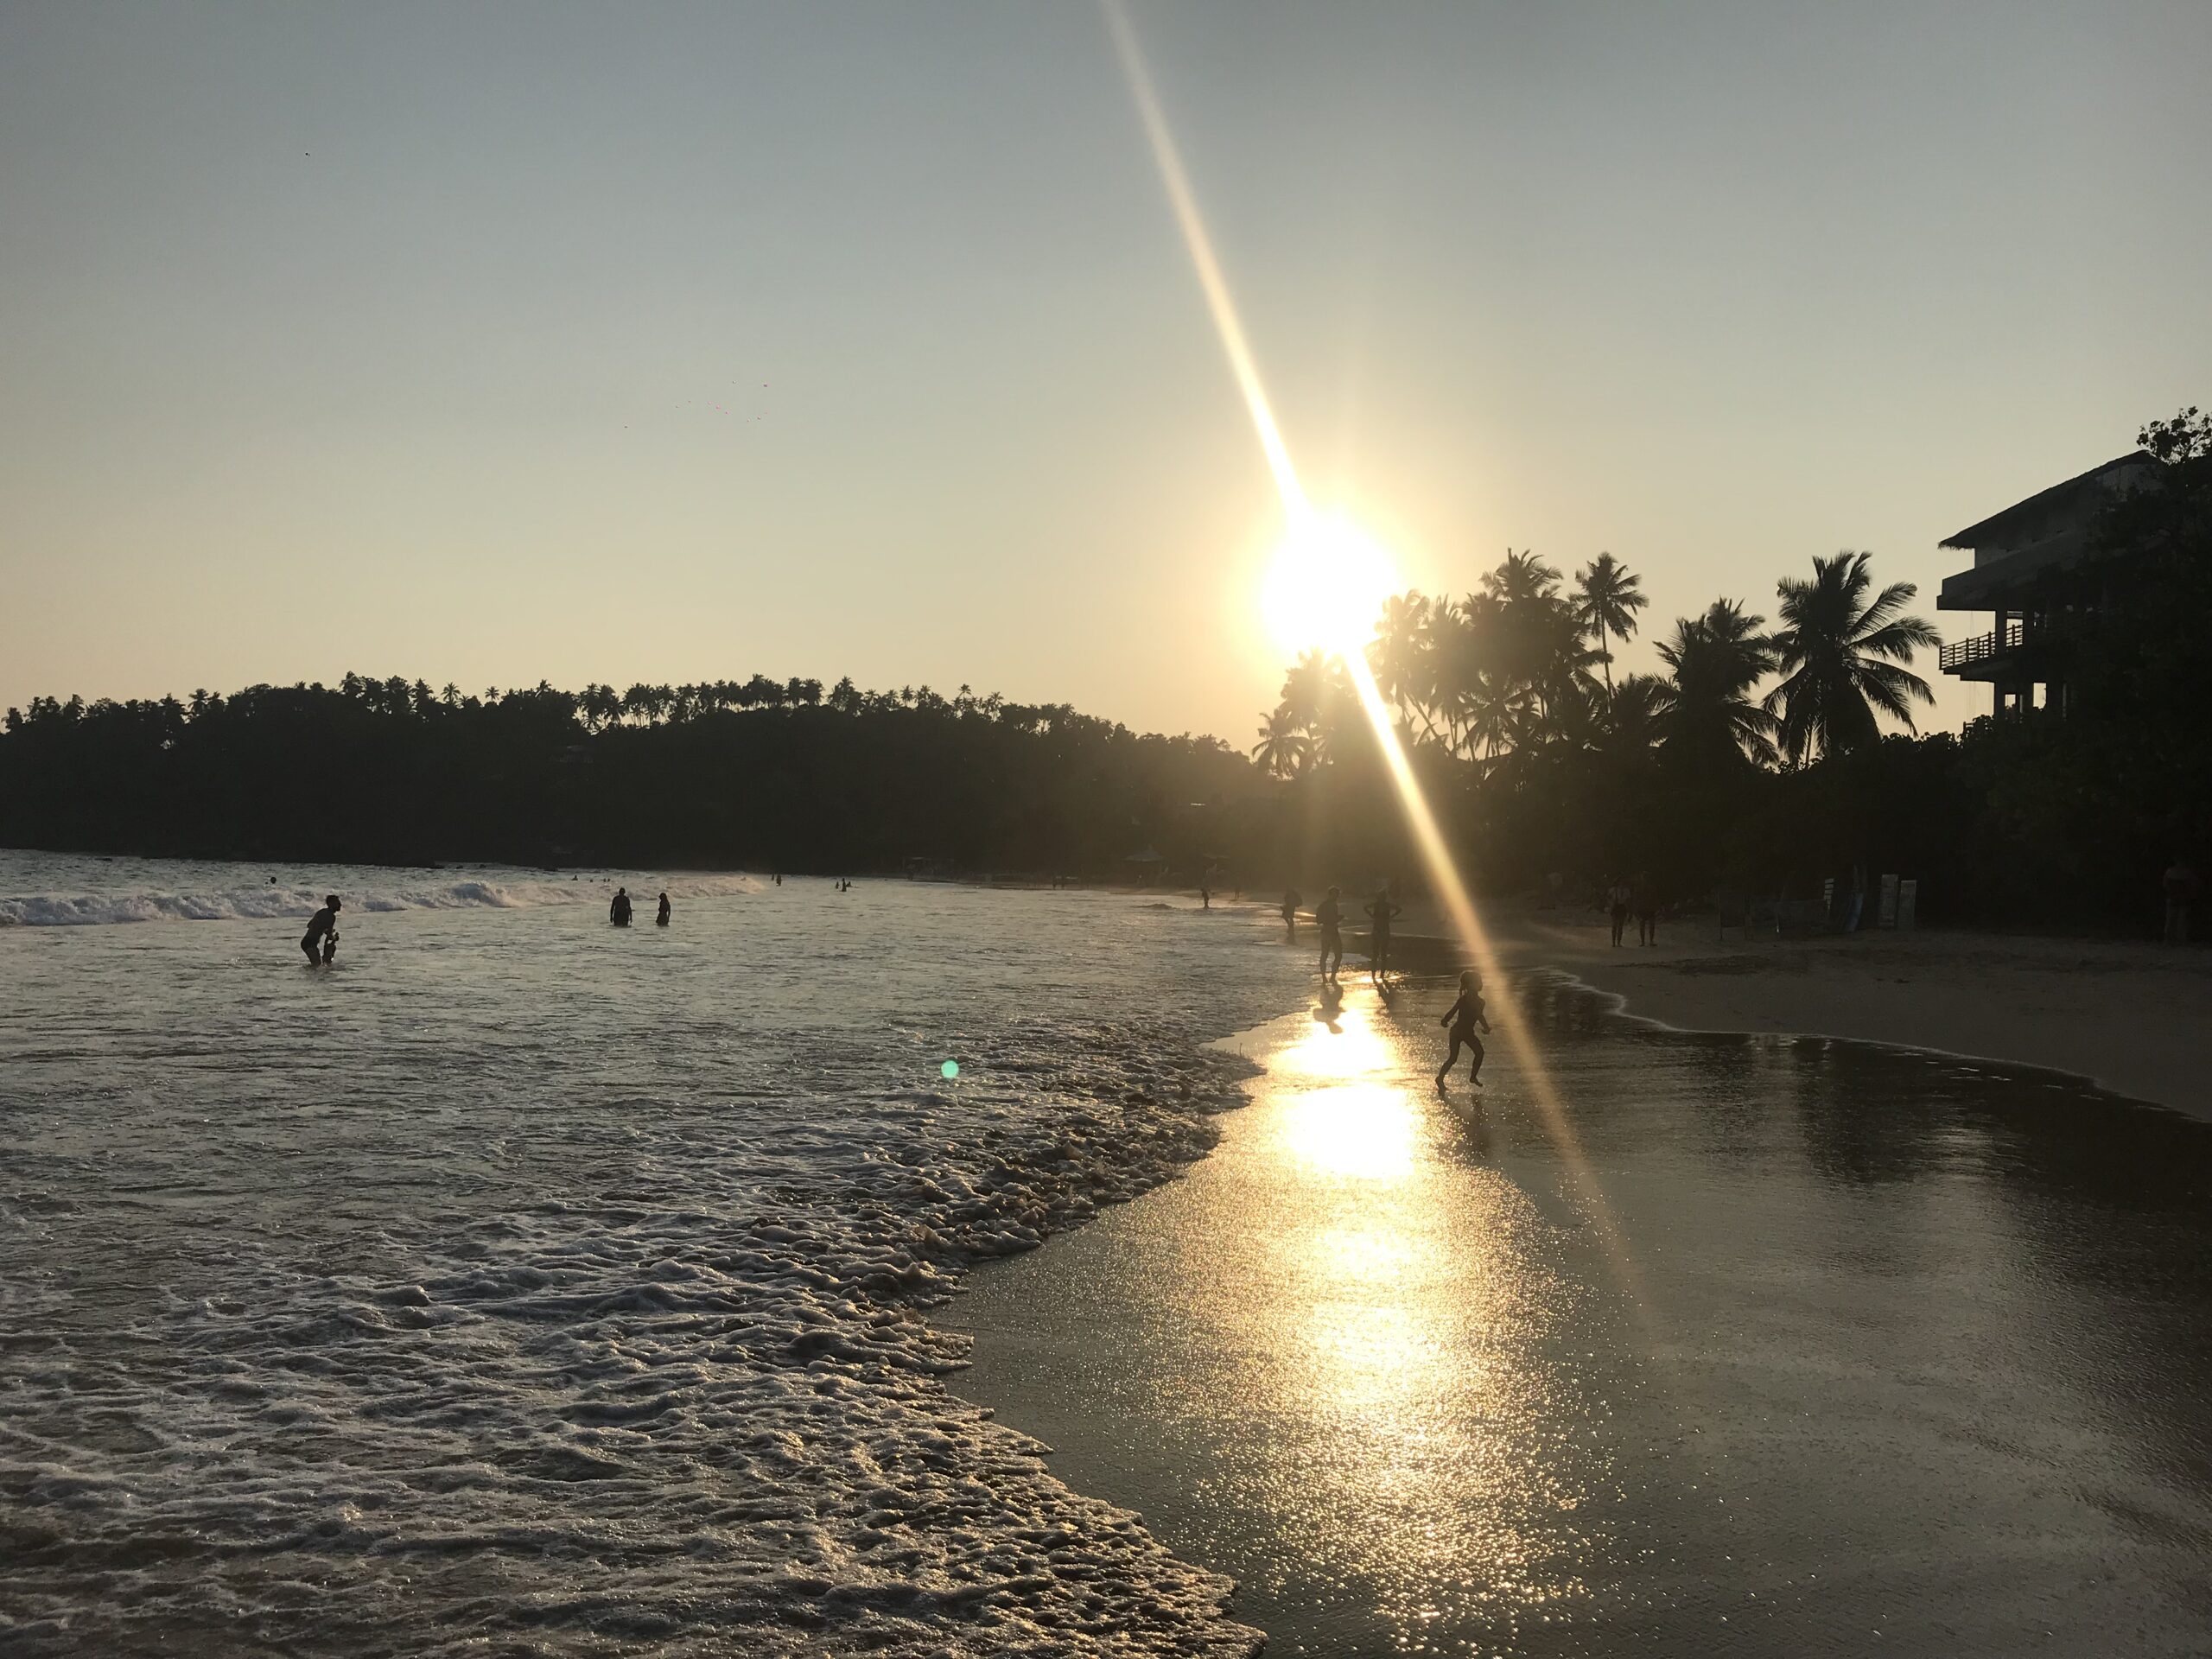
[1962, 653]
[2044, 628]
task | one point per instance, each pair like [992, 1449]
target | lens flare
[1307, 533]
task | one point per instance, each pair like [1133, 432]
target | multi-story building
[2041, 567]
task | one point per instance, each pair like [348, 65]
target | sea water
[524, 1285]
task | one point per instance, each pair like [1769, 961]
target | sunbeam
[1304, 529]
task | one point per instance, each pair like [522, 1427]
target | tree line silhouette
[755, 773]
[1755, 760]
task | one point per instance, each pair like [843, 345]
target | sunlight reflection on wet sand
[1372, 1356]
[1406, 1423]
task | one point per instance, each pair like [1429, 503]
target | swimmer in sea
[618, 912]
[1465, 1017]
[661, 920]
[321, 941]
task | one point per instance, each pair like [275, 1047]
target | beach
[522, 1280]
[1754, 1345]
[2133, 1018]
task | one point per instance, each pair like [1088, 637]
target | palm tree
[1317, 695]
[1402, 656]
[1522, 577]
[1283, 750]
[1715, 660]
[1606, 600]
[1634, 713]
[1843, 657]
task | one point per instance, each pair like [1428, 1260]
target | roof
[2013, 525]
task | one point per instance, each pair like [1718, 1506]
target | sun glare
[1324, 586]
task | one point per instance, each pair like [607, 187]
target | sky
[500, 343]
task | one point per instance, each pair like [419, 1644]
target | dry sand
[2135, 1019]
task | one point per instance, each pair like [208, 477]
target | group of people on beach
[1467, 1018]
[1329, 918]
[1636, 899]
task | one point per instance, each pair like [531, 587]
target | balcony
[2030, 639]
[1962, 654]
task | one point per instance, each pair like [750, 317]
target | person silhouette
[1290, 903]
[321, 941]
[661, 920]
[1378, 948]
[1465, 1017]
[618, 912]
[1329, 916]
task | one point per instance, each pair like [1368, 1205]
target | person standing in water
[1329, 916]
[321, 941]
[1378, 945]
[661, 920]
[1205, 893]
[1291, 900]
[618, 912]
[1465, 1017]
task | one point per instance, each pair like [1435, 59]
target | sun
[1324, 586]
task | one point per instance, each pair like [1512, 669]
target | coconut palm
[1522, 576]
[1283, 750]
[1606, 600]
[1843, 657]
[1634, 713]
[1715, 660]
[1403, 659]
[1317, 695]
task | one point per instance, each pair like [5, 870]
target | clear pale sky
[493, 343]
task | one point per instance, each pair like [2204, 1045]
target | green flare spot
[949, 1070]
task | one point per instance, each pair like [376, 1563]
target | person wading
[321, 941]
[1329, 917]
[1378, 945]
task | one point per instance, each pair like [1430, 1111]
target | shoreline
[1228, 1357]
[2131, 1018]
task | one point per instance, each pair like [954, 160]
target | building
[2039, 568]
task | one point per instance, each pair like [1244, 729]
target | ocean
[524, 1285]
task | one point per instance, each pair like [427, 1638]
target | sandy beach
[1765, 1347]
[2134, 1018]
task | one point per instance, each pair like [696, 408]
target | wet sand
[2131, 1017]
[1839, 1350]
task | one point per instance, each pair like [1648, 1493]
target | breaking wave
[95, 909]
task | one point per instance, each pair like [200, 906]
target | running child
[1465, 1017]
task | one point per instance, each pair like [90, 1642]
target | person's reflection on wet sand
[1328, 1011]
